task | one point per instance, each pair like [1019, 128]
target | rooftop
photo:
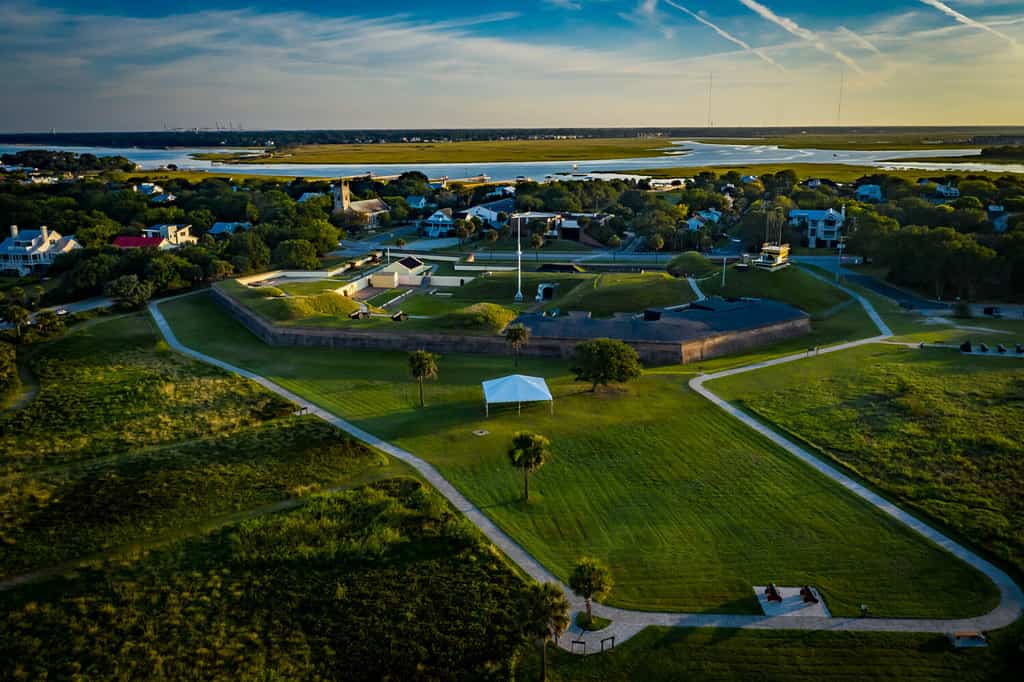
[710, 317]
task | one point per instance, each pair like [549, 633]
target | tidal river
[690, 154]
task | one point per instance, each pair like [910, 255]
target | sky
[119, 65]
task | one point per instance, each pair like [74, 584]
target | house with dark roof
[229, 228]
[488, 213]
[370, 211]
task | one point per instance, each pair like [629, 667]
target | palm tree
[537, 241]
[517, 336]
[422, 366]
[545, 616]
[528, 452]
[590, 579]
[657, 242]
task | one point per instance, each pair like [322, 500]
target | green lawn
[381, 582]
[788, 656]
[607, 294]
[305, 287]
[459, 152]
[687, 507]
[789, 285]
[936, 430]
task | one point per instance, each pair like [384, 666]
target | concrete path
[626, 623]
[696, 289]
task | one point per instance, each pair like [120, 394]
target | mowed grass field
[607, 294]
[937, 431]
[789, 656]
[459, 152]
[687, 507]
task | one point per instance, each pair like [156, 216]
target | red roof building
[124, 242]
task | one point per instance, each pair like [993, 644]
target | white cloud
[799, 31]
[859, 40]
[967, 21]
[728, 36]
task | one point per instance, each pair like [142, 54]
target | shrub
[479, 316]
[690, 264]
[962, 310]
[8, 369]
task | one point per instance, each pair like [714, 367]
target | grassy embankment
[714, 507]
[933, 429]
[381, 582]
[128, 443]
[458, 152]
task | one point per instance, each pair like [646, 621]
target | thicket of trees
[66, 161]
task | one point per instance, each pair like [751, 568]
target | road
[906, 299]
[76, 307]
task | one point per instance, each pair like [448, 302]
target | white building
[176, 235]
[149, 189]
[823, 227]
[369, 211]
[867, 193]
[27, 251]
[947, 192]
[488, 213]
[439, 224]
[416, 201]
[711, 214]
[306, 196]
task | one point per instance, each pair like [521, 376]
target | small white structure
[26, 251]
[516, 388]
[306, 196]
[416, 201]
[947, 192]
[868, 193]
[712, 214]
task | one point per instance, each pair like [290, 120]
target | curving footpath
[626, 623]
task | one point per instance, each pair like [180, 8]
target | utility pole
[519, 260]
[840, 245]
[723, 272]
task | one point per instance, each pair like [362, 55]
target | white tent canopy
[517, 388]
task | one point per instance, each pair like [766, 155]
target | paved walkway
[627, 623]
[696, 289]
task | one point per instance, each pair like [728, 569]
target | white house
[947, 192]
[27, 251]
[488, 213]
[813, 183]
[747, 179]
[229, 228]
[823, 227]
[696, 223]
[176, 235]
[416, 201]
[163, 198]
[439, 224]
[867, 193]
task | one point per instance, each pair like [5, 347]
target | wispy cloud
[728, 36]
[565, 4]
[859, 40]
[800, 32]
[967, 21]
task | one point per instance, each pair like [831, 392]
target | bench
[807, 594]
[772, 593]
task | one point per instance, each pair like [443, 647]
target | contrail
[728, 36]
[966, 20]
[859, 39]
[800, 32]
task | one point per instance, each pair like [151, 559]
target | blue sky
[111, 64]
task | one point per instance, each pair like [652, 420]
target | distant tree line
[48, 160]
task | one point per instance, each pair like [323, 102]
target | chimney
[844, 210]
[45, 231]
[346, 197]
[14, 230]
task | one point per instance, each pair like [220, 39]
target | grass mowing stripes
[688, 507]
